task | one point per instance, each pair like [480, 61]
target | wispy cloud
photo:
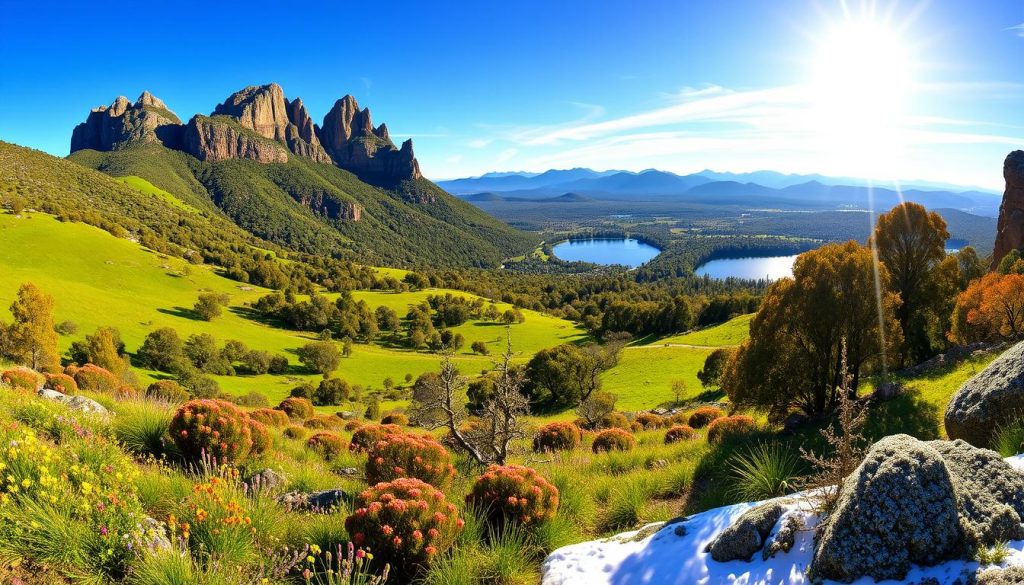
[507, 154]
[1018, 30]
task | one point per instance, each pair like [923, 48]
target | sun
[861, 78]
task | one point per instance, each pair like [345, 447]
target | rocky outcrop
[302, 135]
[348, 135]
[123, 124]
[989, 399]
[915, 502]
[1010, 234]
[213, 140]
[79, 403]
[260, 108]
[747, 535]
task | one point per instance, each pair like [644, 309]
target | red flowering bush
[366, 436]
[730, 427]
[400, 455]
[261, 439]
[513, 494]
[395, 418]
[352, 425]
[649, 421]
[557, 436]
[93, 378]
[323, 421]
[295, 432]
[294, 407]
[327, 444]
[680, 433]
[217, 427]
[167, 390]
[61, 383]
[407, 523]
[270, 417]
[23, 378]
[703, 416]
[614, 420]
[613, 440]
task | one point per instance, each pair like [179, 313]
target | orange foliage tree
[991, 309]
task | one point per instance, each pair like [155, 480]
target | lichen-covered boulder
[783, 539]
[747, 535]
[899, 507]
[1007, 576]
[988, 400]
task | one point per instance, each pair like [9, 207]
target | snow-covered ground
[667, 558]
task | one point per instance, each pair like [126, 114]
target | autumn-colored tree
[793, 358]
[32, 338]
[103, 348]
[911, 242]
[991, 309]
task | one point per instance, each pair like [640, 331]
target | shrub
[557, 436]
[295, 432]
[614, 420]
[368, 435]
[635, 427]
[261, 439]
[278, 364]
[251, 399]
[513, 494]
[327, 444]
[304, 390]
[680, 433]
[729, 427]
[703, 416]
[93, 378]
[300, 408]
[331, 392]
[399, 455]
[167, 390]
[322, 421]
[767, 470]
[61, 383]
[353, 425]
[270, 417]
[407, 523]
[395, 418]
[649, 421]
[613, 440]
[23, 378]
[215, 427]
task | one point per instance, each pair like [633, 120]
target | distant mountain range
[756, 189]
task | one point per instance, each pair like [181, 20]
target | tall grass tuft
[142, 427]
[509, 558]
[1009, 438]
[766, 470]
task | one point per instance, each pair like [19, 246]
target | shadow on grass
[182, 312]
[909, 414]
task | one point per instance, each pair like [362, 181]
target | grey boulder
[991, 398]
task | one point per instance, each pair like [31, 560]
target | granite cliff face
[1011, 213]
[256, 123]
[123, 124]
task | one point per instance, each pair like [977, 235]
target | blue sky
[908, 90]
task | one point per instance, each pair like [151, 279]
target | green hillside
[308, 206]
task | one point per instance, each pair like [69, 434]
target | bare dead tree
[441, 404]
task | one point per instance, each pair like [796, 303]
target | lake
[771, 267]
[627, 252]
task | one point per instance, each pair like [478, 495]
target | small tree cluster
[400, 455]
[513, 495]
[210, 305]
[613, 440]
[680, 433]
[214, 427]
[407, 523]
[557, 436]
[703, 416]
[730, 427]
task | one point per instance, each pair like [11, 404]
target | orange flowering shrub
[294, 407]
[680, 433]
[395, 418]
[216, 427]
[400, 455]
[703, 416]
[261, 439]
[93, 378]
[407, 523]
[729, 427]
[614, 420]
[613, 440]
[352, 425]
[557, 436]
[61, 383]
[214, 517]
[323, 421]
[167, 390]
[649, 420]
[270, 417]
[295, 432]
[23, 378]
[366, 436]
[327, 444]
[513, 494]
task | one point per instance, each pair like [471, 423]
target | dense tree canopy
[32, 339]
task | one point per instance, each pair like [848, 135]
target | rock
[213, 139]
[657, 464]
[917, 502]
[49, 394]
[784, 539]
[80, 403]
[747, 535]
[267, 480]
[152, 534]
[260, 108]
[987, 400]
[322, 501]
[1007, 576]
[1010, 230]
[302, 134]
[350, 471]
[123, 124]
[348, 135]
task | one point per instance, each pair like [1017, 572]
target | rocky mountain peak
[382, 132]
[260, 108]
[354, 144]
[124, 124]
[1010, 235]
[148, 99]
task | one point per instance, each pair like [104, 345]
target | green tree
[162, 350]
[479, 347]
[320, 356]
[32, 338]
[210, 305]
[103, 348]
[711, 374]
